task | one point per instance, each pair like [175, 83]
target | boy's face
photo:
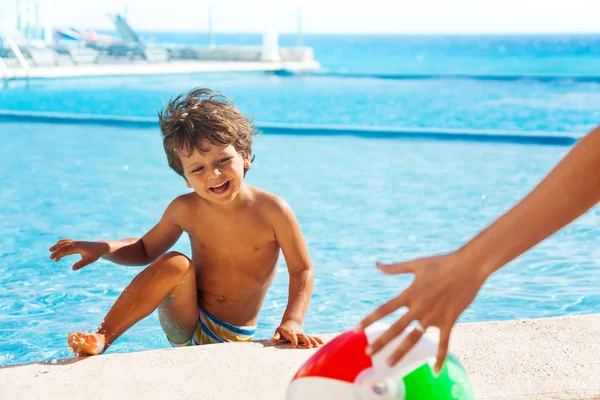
[216, 174]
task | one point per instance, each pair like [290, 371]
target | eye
[222, 160]
[198, 169]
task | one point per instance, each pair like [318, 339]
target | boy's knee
[175, 263]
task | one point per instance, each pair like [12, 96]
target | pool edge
[546, 358]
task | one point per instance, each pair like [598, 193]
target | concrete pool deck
[173, 67]
[551, 358]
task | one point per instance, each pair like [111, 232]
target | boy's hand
[90, 251]
[292, 331]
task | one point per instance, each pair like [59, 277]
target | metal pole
[38, 32]
[211, 35]
[18, 3]
[27, 20]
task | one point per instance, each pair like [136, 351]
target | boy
[236, 232]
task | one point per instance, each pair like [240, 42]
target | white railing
[4, 71]
[20, 58]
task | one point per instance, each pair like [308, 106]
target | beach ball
[342, 370]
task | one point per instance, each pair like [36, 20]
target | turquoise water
[445, 54]
[358, 199]
[444, 103]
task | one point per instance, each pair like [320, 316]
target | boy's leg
[178, 313]
[169, 282]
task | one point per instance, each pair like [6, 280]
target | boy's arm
[133, 251]
[300, 269]
[152, 245]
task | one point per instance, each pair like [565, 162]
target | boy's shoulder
[267, 201]
[271, 206]
[180, 205]
[185, 200]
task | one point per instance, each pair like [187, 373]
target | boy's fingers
[294, 339]
[276, 337]
[384, 310]
[60, 243]
[305, 340]
[66, 252]
[313, 341]
[55, 250]
[58, 252]
[318, 339]
[398, 268]
[80, 264]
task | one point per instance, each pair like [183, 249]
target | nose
[216, 172]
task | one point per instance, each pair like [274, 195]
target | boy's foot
[86, 344]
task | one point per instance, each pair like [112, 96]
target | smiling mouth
[220, 189]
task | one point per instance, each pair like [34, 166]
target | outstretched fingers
[384, 310]
[60, 243]
[81, 263]
[406, 267]
[395, 330]
[64, 250]
[442, 349]
[407, 344]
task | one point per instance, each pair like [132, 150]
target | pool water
[526, 105]
[358, 201]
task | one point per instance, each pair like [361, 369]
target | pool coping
[163, 68]
[303, 129]
[546, 358]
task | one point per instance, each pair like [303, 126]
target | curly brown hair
[203, 114]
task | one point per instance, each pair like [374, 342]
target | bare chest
[248, 242]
